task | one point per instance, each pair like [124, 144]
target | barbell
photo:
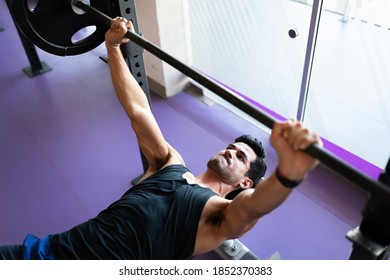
[52, 24]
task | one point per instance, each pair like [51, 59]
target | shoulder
[173, 158]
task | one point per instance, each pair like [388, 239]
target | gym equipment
[37, 66]
[374, 228]
[60, 28]
[233, 249]
[371, 240]
[53, 25]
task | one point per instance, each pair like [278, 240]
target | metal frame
[37, 66]
[131, 51]
[371, 240]
[233, 249]
[308, 64]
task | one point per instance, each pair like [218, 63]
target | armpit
[216, 218]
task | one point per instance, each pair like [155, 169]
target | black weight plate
[52, 24]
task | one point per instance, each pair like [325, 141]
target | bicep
[239, 218]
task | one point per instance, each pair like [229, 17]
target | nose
[228, 153]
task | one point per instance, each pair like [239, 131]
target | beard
[219, 166]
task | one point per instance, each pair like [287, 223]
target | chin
[218, 167]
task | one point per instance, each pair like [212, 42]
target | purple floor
[67, 151]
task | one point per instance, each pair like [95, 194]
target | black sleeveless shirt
[156, 219]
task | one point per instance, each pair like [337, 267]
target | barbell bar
[340, 167]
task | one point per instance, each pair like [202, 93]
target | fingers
[121, 24]
[296, 134]
[290, 138]
[116, 35]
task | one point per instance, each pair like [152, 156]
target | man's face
[231, 165]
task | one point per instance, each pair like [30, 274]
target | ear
[246, 183]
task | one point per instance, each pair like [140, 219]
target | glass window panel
[349, 94]
[245, 44]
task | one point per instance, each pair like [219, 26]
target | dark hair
[258, 167]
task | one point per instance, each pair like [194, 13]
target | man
[170, 213]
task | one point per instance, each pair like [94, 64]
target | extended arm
[289, 139]
[150, 139]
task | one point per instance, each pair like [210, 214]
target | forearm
[268, 195]
[289, 139]
[134, 100]
[129, 93]
[136, 105]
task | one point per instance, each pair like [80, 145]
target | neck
[215, 184]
